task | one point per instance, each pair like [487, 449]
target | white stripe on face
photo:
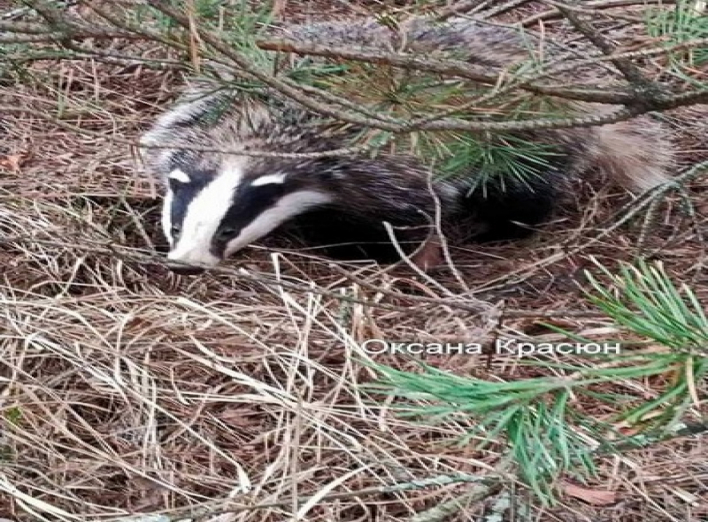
[167, 216]
[287, 207]
[269, 179]
[202, 219]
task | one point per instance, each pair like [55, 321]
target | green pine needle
[544, 432]
[644, 299]
[681, 24]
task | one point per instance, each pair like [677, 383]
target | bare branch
[597, 5]
[642, 86]
[292, 91]
[8, 109]
[448, 67]
[23, 27]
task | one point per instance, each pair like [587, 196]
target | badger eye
[175, 230]
[225, 234]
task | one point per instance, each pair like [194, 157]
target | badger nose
[185, 269]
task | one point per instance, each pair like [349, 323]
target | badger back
[636, 154]
[472, 41]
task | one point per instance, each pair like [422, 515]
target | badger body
[217, 202]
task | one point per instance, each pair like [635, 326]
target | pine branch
[646, 91]
[554, 13]
[472, 7]
[446, 67]
[532, 411]
[355, 113]
[293, 91]
[463, 70]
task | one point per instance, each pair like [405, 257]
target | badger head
[216, 203]
[209, 214]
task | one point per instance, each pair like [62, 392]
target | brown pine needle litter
[240, 395]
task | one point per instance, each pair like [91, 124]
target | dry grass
[126, 389]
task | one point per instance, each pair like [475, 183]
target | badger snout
[185, 270]
[190, 263]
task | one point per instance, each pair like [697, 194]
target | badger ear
[179, 177]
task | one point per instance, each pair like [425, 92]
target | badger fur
[217, 203]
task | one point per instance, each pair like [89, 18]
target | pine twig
[593, 4]
[645, 90]
[444, 511]
[453, 68]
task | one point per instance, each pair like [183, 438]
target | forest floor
[127, 389]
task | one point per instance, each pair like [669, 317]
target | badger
[218, 201]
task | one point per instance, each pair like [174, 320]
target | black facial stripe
[248, 203]
[180, 202]
[184, 193]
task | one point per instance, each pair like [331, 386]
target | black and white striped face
[209, 216]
